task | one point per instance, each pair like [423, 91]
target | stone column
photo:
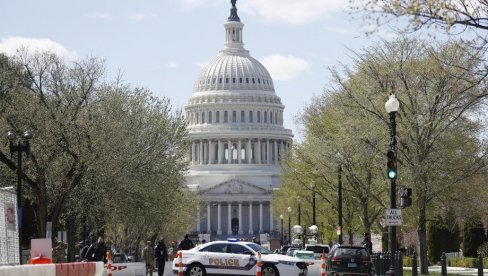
[201, 152]
[210, 152]
[198, 219]
[220, 152]
[209, 220]
[258, 156]
[261, 217]
[275, 151]
[282, 154]
[219, 214]
[239, 145]
[271, 220]
[240, 218]
[229, 151]
[205, 152]
[229, 219]
[251, 231]
[249, 151]
[193, 152]
[268, 151]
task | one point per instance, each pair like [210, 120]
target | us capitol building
[238, 141]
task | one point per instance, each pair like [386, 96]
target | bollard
[109, 263]
[480, 265]
[414, 264]
[322, 268]
[180, 263]
[258, 266]
[443, 264]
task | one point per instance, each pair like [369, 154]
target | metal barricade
[9, 235]
[382, 263]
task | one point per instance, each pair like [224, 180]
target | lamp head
[27, 135]
[392, 105]
[281, 216]
[313, 229]
[297, 229]
[10, 135]
[289, 209]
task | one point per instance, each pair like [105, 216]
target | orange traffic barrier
[258, 266]
[109, 263]
[180, 263]
[322, 268]
[41, 260]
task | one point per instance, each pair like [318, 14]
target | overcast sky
[162, 45]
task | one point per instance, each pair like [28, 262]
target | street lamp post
[289, 225]
[299, 212]
[281, 219]
[313, 205]
[21, 146]
[392, 106]
[339, 175]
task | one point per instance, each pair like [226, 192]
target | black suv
[345, 259]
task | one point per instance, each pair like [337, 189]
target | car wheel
[195, 270]
[269, 270]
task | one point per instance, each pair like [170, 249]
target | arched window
[198, 118]
[265, 117]
[243, 116]
[250, 116]
[217, 117]
[226, 119]
[234, 116]
[271, 117]
[259, 117]
[210, 117]
[203, 117]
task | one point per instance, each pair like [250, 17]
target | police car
[236, 258]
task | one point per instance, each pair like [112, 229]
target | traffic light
[391, 164]
[405, 197]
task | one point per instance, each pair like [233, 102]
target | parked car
[345, 259]
[317, 249]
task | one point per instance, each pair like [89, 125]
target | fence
[9, 236]
[382, 263]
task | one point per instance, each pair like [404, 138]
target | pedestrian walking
[97, 252]
[172, 251]
[161, 256]
[186, 243]
[59, 252]
[148, 255]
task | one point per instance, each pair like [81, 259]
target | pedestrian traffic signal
[391, 164]
[405, 197]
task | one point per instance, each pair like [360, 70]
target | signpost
[393, 217]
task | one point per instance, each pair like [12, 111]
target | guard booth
[9, 235]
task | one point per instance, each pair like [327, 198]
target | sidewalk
[456, 270]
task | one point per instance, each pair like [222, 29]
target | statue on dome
[233, 12]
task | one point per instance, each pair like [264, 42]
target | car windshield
[256, 247]
[351, 251]
[317, 248]
[304, 255]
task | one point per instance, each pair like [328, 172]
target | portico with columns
[238, 141]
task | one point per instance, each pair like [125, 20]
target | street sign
[393, 217]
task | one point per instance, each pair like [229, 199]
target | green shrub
[407, 261]
[463, 262]
[485, 263]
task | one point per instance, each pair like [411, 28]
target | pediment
[234, 186]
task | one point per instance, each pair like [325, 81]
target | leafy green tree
[440, 89]
[105, 155]
[443, 236]
[473, 236]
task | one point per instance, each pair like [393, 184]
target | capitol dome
[238, 141]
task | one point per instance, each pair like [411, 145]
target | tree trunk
[422, 233]
[41, 211]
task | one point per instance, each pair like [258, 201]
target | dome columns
[239, 151]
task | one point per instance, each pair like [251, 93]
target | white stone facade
[238, 141]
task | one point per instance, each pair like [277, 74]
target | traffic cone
[109, 263]
[258, 266]
[180, 263]
[322, 268]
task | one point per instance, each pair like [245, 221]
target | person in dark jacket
[161, 255]
[186, 243]
[97, 252]
[367, 243]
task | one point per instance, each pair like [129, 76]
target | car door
[241, 260]
[213, 256]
